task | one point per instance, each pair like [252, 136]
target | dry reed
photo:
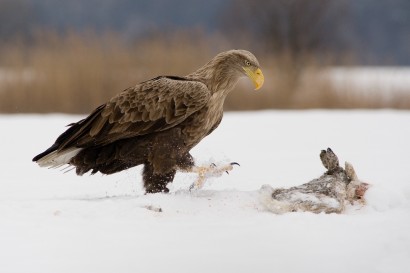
[76, 72]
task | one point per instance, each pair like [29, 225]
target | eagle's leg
[156, 182]
[185, 163]
[166, 155]
[205, 172]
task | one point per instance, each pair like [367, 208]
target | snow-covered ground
[384, 80]
[384, 83]
[55, 222]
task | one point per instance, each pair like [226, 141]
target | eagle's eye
[247, 63]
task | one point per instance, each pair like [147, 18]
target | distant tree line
[374, 32]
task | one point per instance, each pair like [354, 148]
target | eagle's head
[223, 71]
[242, 63]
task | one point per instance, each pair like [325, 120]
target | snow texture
[51, 221]
[386, 81]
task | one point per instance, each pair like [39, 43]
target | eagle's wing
[149, 107]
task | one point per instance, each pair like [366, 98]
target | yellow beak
[256, 76]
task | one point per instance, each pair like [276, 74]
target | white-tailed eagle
[155, 123]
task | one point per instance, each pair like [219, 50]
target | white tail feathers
[57, 159]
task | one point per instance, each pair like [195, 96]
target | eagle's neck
[217, 76]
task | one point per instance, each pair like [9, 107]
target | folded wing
[149, 107]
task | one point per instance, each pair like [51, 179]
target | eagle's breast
[201, 123]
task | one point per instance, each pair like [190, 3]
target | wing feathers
[151, 106]
[97, 126]
[77, 130]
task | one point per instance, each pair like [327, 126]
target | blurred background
[71, 56]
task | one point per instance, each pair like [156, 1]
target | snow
[51, 221]
[384, 80]
[13, 76]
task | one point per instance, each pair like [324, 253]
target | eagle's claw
[232, 164]
[212, 171]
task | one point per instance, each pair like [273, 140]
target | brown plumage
[155, 123]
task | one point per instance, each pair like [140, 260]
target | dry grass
[76, 72]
